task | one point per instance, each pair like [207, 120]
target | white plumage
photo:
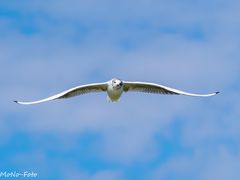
[115, 88]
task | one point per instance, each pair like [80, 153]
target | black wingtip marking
[217, 92]
[16, 102]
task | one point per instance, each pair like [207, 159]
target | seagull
[115, 88]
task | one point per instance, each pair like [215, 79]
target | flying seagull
[115, 88]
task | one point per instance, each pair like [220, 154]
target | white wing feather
[160, 89]
[96, 87]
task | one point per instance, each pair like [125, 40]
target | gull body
[114, 88]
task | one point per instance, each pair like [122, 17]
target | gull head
[116, 83]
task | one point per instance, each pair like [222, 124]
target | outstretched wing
[79, 90]
[157, 88]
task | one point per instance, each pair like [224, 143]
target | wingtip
[16, 102]
[217, 92]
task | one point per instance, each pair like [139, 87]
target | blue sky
[50, 46]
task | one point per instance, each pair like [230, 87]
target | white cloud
[202, 165]
[71, 173]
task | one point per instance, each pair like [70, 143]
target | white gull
[115, 88]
